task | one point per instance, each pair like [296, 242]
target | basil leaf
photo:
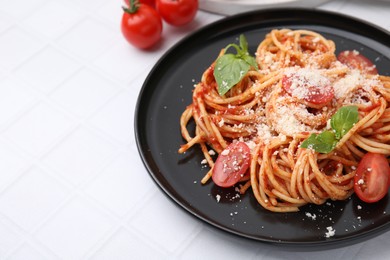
[251, 61]
[343, 120]
[229, 70]
[324, 142]
[243, 43]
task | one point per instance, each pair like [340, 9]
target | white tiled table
[72, 185]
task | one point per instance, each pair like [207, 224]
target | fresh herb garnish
[341, 122]
[231, 68]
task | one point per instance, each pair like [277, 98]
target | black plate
[167, 91]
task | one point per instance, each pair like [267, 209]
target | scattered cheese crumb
[225, 152]
[212, 152]
[310, 215]
[330, 233]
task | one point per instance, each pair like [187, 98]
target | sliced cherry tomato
[177, 12]
[372, 177]
[141, 25]
[231, 164]
[355, 60]
[302, 89]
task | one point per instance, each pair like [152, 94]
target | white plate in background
[229, 7]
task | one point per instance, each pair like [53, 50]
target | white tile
[155, 221]
[74, 230]
[19, 11]
[47, 69]
[89, 5]
[111, 11]
[8, 239]
[5, 21]
[116, 118]
[116, 188]
[53, 18]
[39, 128]
[15, 97]
[80, 156]
[118, 61]
[88, 39]
[11, 165]
[123, 246]
[16, 46]
[84, 92]
[32, 198]
[222, 244]
[27, 252]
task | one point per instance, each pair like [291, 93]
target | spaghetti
[298, 86]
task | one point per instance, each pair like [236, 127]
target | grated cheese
[264, 132]
[221, 123]
[330, 233]
[305, 80]
[347, 84]
[286, 123]
[225, 152]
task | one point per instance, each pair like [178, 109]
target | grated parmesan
[330, 233]
[303, 81]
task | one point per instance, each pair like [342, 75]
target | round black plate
[167, 91]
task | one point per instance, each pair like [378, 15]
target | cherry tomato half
[355, 60]
[231, 164]
[371, 181]
[177, 12]
[309, 93]
[141, 25]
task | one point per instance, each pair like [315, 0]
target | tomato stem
[133, 7]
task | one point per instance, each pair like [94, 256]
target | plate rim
[332, 243]
[231, 7]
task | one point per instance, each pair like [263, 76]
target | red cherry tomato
[372, 177]
[177, 12]
[309, 93]
[141, 25]
[357, 61]
[151, 3]
[231, 164]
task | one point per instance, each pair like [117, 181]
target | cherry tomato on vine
[151, 3]
[371, 181]
[141, 25]
[356, 60]
[177, 12]
[231, 164]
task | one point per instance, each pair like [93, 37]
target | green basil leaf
[231, 68]
[344, 119]
[324, 142]
[243, 44]
[251, 61]
[228, 71]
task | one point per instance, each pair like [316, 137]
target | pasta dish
[296, 123]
